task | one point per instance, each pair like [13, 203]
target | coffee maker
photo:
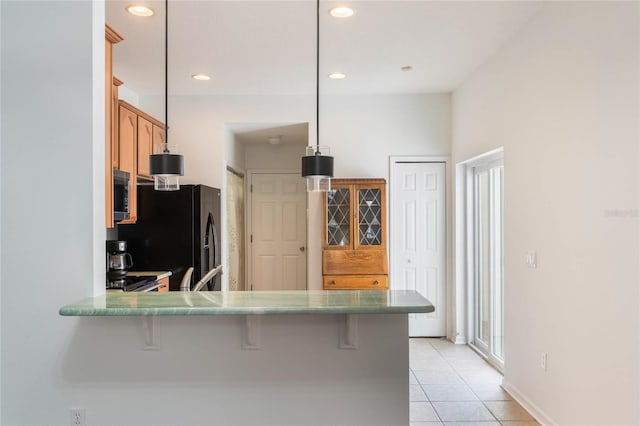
[118, 263]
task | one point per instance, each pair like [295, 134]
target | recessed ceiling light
[341, 12]
[201, 77]
[337, 76]
[140, 10]
[407, 68]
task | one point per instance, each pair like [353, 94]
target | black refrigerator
[175, 230]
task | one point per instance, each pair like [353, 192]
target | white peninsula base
[298, 376]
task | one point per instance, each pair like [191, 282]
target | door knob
[302, 248]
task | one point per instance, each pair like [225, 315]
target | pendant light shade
[317, 165]
[165, 167]
[166, 170]
[317, 168]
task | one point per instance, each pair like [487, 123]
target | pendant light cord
[166, 77]
[317, 77]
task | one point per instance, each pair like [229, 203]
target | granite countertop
[251, 303]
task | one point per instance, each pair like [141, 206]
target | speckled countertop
[251, 303]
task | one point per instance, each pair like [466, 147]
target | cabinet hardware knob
[302, 248]
[375, 282]
[333, 282]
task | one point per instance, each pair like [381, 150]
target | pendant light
[165, 167]
[317, 165]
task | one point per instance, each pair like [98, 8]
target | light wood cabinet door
[108, 126]
[128, 154]
[158, 139]
[158, 136]
[115, 152]
[128, 136]
[145, 141]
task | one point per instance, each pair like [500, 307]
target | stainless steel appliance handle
[207, 277]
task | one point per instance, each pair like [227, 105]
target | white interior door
[418, 239]
[278, 232]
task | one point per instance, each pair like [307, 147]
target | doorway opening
[270, 251]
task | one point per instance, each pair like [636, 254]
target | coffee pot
[118, 263]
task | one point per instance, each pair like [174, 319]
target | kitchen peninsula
[342, 355]
[251, 303]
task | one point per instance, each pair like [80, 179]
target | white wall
[133, 98]
[46, 198]
[282, 156]
[234, 152]
[1, 214]
[362, 130]
[562, 98]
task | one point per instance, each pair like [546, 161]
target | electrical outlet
[543, 361]
[77, 417]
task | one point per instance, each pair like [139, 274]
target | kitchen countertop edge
[251, 303]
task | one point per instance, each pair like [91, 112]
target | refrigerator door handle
[211, 243]
[214, 237]
[209, 275]
[208, 242]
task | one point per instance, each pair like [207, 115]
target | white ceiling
[284, 133]
[268, 47]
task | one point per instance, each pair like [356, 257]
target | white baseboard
[532, 408]
[460, 340]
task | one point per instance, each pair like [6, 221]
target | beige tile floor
[452, 385]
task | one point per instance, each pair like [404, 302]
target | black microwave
[120, 195]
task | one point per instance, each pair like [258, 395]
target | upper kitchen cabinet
[128, 154]
[150, 132]
[354, 243]
[137, 132]
[111, 38]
